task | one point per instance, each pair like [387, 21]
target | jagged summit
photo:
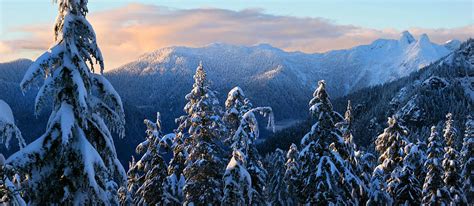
[346, 70]
[406, 38]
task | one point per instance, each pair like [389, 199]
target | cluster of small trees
[215, 160]
[328, 169]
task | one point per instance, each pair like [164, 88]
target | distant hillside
[419, 100]
[270, 76]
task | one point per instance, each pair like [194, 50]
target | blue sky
[382, 14]
[309, 26]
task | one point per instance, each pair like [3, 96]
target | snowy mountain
[270, 75]
[383, 60]
[419, 101]
[158, 81]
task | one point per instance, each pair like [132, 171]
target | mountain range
[419, 101]
[159, 80]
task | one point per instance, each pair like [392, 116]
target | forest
[422, 153]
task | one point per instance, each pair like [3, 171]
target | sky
[127, 29]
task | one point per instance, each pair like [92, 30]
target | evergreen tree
[292, 175]
[10, 193]
[277, 186]
[349, 152]
[451, 164]
[365, 163]
[434, 192]
[173, 187]
[329, 179]
[236, 106]
[149, 172]
[378, 194]
[237, 182]
[244, 136]
[74, 161]
[467, 154]
[8, 129]
[204, 164]
[407, 189]
[390, 145]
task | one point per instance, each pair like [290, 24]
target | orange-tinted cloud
[127, 32]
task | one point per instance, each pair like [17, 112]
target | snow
[67, 121]
[468, 84]
[6, 114]
[381, 61]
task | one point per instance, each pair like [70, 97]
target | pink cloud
[127, 32]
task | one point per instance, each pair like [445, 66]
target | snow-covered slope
[418, 101]
[268, 75]
[344, 70]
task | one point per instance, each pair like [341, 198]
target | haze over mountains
[158, 81]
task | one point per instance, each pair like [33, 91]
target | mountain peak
[452, 44]
[424, 38]
[406, 37]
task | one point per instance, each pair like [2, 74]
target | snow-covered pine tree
[149, 173]
[244, 136]
[407, 187]
[237, 182]
[378, 194]
[246, 131]
[434, 192]
[451, 163]
[236, 106]
[349, 150]
[10, 192]
[365, 162]
[173, 188]
[292, 175]
[346, 125]
[390, 145]
[74, 161]
[204, 164]
[277, 188]
[8, 129]
[329, 179]
[467, 154]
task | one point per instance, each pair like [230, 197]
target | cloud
[127, 32]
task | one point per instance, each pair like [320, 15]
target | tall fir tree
[277, 186]
[377, 194]
[407, 187]
[237, 182]
[451, 163]
[350, 153]
[328, 178]
[204, 165]
[434, 192]
[390, 146]
[244, 136]
[149, 171]
[74, 161]
[292, 175]
[236, 106]
[173, 187]
[467, 154]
